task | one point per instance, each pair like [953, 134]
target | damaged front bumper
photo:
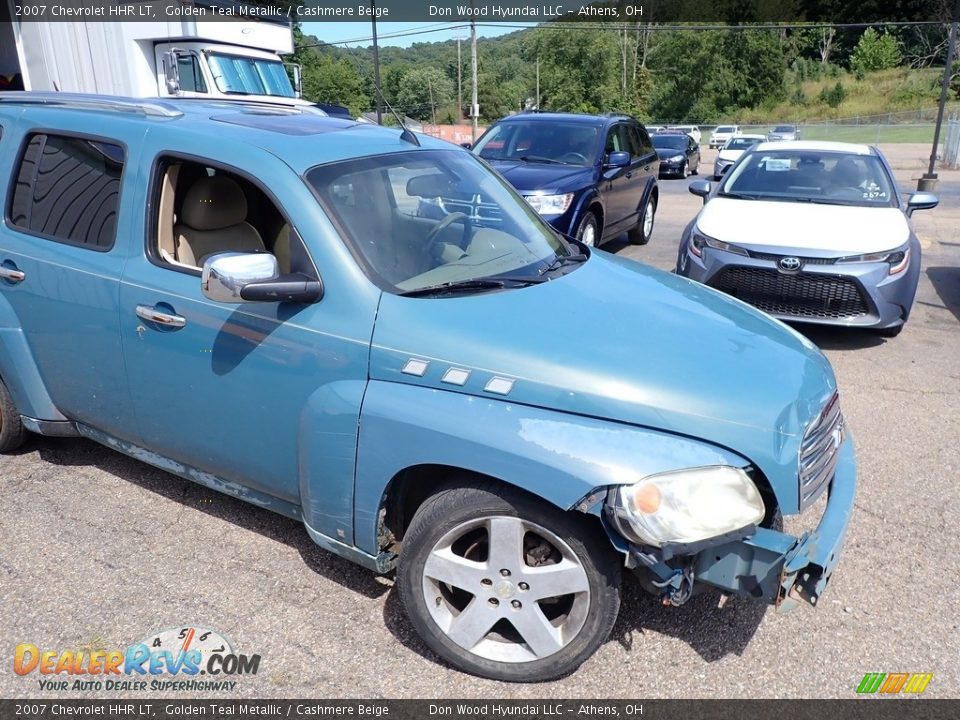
[779, 568]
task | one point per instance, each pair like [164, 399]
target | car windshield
[238, 75]
[670, 142]
[783, 129]
[724, 129]
[740, 143]
[568, 143]
[436, 219]
[811, 176]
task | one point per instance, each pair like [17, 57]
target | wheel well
[409, 488]
[655, 194]
[597, 210]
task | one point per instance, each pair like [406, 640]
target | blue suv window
[68, 189]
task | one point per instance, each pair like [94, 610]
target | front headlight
[698, 241]
[898, 259]
[550, 204]
[685, 506]
[675, 159]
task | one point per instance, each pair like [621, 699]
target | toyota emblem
[789, 264]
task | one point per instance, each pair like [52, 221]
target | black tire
[473, 507]
[12, 433]
[891, 332]
[589, 224]
[696, 168]
[637, 235]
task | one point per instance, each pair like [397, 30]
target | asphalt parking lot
[98, 550]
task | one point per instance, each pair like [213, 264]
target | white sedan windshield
[812, 176]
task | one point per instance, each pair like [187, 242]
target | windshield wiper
[560, 260]
[739, 196]
[540, 159]
[493, 282]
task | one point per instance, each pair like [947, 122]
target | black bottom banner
[865, 709]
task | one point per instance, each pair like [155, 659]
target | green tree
[327, 77]
[421, 90]
[834, 96]
[578, 69]
[875, 52]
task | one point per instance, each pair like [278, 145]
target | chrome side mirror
[234, 277]
[171, 70]
[225, 275]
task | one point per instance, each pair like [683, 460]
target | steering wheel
[573, 157]
[451, 218]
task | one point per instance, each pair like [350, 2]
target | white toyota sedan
[814, 232]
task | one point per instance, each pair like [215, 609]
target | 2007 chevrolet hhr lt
[268, 302]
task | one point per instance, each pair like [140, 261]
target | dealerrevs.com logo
[188, 658]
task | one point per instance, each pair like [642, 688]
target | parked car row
[807, 232]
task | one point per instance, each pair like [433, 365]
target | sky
[337, 32]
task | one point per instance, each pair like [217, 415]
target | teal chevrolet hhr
[371, 332]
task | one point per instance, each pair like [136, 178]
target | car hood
[621, 341]
[529, 177]
[664, 153]
[828, 230]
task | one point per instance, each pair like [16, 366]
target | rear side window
[68, 189]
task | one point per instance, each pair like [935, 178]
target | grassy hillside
[873, 98]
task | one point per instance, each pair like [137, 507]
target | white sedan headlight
[550, 204]
[685, 506]
[698, 241]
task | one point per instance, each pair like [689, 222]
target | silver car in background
[732, 150]
[784, 133]
[813, 232]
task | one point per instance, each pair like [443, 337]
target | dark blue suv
[592, 177]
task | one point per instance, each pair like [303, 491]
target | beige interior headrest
[214, 203]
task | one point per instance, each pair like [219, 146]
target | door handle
[629, 175]
[12, 275]
[168, 320]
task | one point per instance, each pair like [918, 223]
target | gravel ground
[98, 550]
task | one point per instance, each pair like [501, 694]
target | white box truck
[179, 56]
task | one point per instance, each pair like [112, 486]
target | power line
[651, 27]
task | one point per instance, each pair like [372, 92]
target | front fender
[557, 456]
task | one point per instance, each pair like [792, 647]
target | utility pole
[536, 105]
[929, 180]
[433, 108]
[475, 105]
[376, 62]
[459, 85]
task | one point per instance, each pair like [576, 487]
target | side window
[191, 77]
[68, 190]
[630, 141]
[614, 140]
[204, 210]
[646, 144]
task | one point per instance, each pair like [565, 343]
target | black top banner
[628, 12]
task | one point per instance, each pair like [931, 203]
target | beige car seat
[213, 220]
